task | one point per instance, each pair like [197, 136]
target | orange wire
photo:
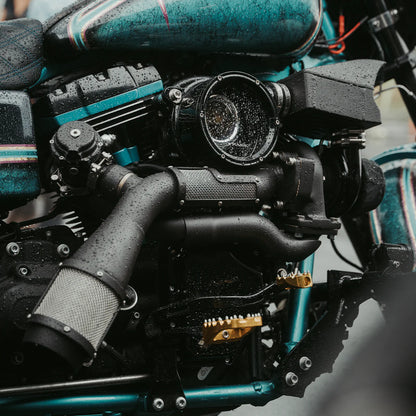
[333, 46]
[341, 31]
[338, 51]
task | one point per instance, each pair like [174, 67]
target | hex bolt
[23, 271]
[225, 334]
[75, 133]
[63, 250]
[67, 329]
[158, 404]
[175, 95]
[12, 249]
[180, 403]
[305, 363]
[291, 379]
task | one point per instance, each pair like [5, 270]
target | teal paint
[29, 153]
[72, 405]
[327, 27]
[282, 28]
[299, 308]
[123, 157]
[394, 220]
[18, 184]
[134, 153]
[407, 151]
[258, 393]
[109, 103]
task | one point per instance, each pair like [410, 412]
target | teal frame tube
[258, 393]
[81, 405]
[299, 306]
[327, 26]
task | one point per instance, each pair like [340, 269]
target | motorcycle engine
[208, 292]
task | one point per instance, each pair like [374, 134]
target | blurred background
[37, 9]
[396, 129]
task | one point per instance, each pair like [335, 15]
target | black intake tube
[114, 247]
[83, 299]
[250, 229]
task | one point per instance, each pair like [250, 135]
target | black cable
[344, 258]
[334, 41]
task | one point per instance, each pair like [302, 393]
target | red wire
[341, 31]
[333, 46]
[338, 51]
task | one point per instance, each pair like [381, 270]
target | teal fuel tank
[283, 28]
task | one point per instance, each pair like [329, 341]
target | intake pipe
[78, 307]
[247, 229]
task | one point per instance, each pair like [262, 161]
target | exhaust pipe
[250, 229]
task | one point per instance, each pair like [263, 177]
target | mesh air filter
[80, 302]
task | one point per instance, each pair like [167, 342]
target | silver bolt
[23, 271]
[180, 403]
[376, 23]
[75, 133]
[54, 177]
[67, 329]
[305, 363]
[100, 273]
[394, 12]
[158, 404]
[181, 202]
[12, 249]
[277, 122]
[225, 334]
[108, 139]
[29, 316]
[220, 203]
[219, 78]
[136, 315]
[175, 95]
[291, 161]
[63, 250]
[291, 379]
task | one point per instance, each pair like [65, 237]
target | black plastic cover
[330, 98]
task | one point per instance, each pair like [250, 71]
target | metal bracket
[384, 20]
